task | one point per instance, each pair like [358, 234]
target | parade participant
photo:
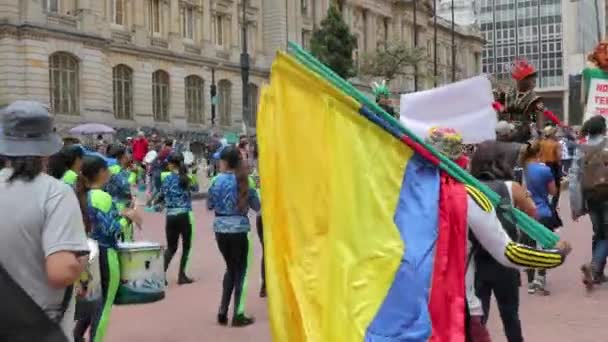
[119, 186]
[523, 107]
[231, 197]
[589, 194]
[486, 231]
[176, 190]
[65, 164]
[594, 76]
[490, 164]
[104, 218]
[383, 97]
[540, 182]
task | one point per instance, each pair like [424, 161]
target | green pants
[110, 280]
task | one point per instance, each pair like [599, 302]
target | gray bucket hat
[26, 130]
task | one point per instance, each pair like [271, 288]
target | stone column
[172, 15]
[140, 28]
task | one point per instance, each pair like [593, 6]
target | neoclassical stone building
[133, 63]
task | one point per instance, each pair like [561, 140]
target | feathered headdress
[381, 89]
[521, 69]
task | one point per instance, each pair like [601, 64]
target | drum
[88, 286]
[142, 273]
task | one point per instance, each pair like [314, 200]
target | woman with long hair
[106, 230]
[490, 165]
[231, 197]
[176, 188]
[540, 182]
[65, 164]
[119, 186]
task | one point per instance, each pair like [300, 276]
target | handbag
[23, 320]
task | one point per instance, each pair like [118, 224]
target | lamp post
[453, 46]
[245, 66]
[415, 45]
[213, 91]
[435, 42]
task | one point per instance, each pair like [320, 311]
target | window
[160, 95]
[224, 102]
[220, 30]
[118, 12]
[253, 95]
[154, 16]
[63, 77]
[187, 18]
[304, 7]
[122, 77]
[52, 6]
[306, 35]
[195, 99]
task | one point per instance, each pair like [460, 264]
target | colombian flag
[352, 217]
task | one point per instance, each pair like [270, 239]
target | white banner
[465, 106]
[597, 100]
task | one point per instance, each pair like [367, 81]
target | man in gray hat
[43, 242]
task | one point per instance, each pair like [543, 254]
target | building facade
[541, 32]
[134, 63]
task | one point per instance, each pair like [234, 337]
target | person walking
[540, 182]
[231, 197]
[551, 155]
[490, 164]
[589, 194]
[176, 190]
[44, 247]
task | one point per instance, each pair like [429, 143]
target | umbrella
[92, 128]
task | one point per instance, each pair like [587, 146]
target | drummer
[119, 186]
[65, 164]
[105, 224]
[176, 188]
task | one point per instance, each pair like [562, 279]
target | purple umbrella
[92, 128]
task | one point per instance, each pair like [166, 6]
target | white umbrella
[92, 128]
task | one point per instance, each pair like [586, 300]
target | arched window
[122, 77]
[160, 95]
[253, 95]
[63, 81]
[195, 99]
[225, 101]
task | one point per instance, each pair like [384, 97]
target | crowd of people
[61, 195]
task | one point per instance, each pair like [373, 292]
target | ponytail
[184, 179]
[242, 179]
[82, 189]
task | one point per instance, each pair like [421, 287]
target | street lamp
[245, 66]
[213, 91]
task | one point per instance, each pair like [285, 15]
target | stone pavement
[188, 313]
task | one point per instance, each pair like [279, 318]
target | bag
[594, 180]
[22, 319]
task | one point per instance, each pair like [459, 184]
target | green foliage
[396, 60]
[333, 44]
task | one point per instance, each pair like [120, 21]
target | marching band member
[65, 164]
[104, 218]
[176, 188]
[119, 186]
[231, 197]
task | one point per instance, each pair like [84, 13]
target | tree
[333, 44]
[395, 60]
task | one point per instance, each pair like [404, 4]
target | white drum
[88, 287]
[142, 273]
[150, 157]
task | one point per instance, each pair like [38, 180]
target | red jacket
[140, 149]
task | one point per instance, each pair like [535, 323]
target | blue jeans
[598, 212]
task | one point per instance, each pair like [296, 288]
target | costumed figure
[383, 97]
[595, 78]
[523, 107]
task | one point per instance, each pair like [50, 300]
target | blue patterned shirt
[223, 199]
[177, 200]
[104, 218]
[119, 187]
